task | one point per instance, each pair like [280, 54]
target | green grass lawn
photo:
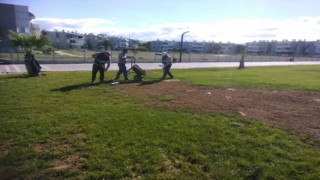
[286, 77]
[58, 126]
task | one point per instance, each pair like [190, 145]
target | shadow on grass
[19, 76]
[149, 82]
[74, 87]
[86, 85]
[128, 81]
[79, 86]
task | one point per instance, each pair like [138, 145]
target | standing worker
[100, 59]
[122, 65]
[166, 61]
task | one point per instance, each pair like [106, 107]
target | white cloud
[238, 31]
[85, 25]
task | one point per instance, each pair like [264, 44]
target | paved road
[20, 68]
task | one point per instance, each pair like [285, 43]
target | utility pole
[181, 43]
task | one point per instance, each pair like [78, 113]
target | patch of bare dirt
[66, 54]
[71, 161]
[294, 111]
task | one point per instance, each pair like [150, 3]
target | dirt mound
[295, 111]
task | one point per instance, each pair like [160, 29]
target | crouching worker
[100, 59]
[166, 61]
[36, 64]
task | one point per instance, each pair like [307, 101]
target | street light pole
[181, 43]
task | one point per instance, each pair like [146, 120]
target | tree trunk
[241, 65]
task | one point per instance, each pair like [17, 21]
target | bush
[47, 49]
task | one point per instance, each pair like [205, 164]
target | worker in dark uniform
[100, 59]
[166, 61]
[36, 64]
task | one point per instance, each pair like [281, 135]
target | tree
[240, 49]
[142, 48]
[216, 49]
[29, 43]
[147, 45]
[106, 44]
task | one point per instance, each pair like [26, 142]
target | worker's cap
[164, 53]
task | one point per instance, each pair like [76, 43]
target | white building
[168, 46]
[197, 47]
[67, 40]
[227, 48]
[284, 47]
[317, 48]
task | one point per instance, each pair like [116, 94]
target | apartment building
[317, 48]
[227, 48]
[258, 48]
[74, 40]
[168, 46]
[197, 47]
[312, 49]
[163, 46]
[16, 18]
[92, 41]
[119, 42]
[208, 47]
[67, 40]
[283, 48]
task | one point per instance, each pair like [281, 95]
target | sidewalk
[20, 68]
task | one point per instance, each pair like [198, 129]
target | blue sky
[236, 21]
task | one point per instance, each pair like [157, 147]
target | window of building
[22, 15]
[21, 30]
[27, 30]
